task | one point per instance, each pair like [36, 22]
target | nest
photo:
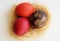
[32, 32]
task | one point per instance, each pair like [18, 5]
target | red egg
[21, 26]
[24, 9]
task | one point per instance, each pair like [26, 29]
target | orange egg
[24, 9]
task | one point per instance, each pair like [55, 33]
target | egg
[24, 9]
[21, 26]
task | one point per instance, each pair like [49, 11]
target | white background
[52, 33]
